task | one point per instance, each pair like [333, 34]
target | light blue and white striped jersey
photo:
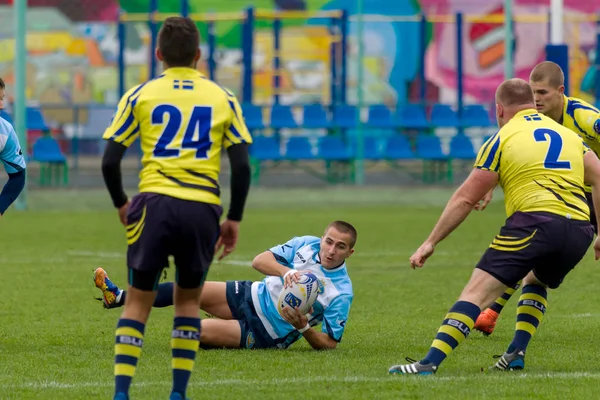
[333, 303]
[10, 149]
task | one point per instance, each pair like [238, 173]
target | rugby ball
[302, 294]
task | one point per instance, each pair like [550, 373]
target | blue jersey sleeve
[284, 253]
[10, 149]
[335, 317]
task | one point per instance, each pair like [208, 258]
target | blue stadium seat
[380, 116]
[298, 148]
[253, 116]
[35, 119]
[46, 150]
[332, 148]
[443, 116]
[282, 117]
[265, 148]
[370, 148]
[315, 117]
[429, 147]
[475, 115]
[461, 148]
[345, 117]
[398, 148]
[411, 116]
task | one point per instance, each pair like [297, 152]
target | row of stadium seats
[316, 116]
[334, 148]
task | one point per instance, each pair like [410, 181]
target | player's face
[2, 93]
[335, 248]
[547, 98]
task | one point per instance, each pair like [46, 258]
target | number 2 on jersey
[554, 149]
[197, 130]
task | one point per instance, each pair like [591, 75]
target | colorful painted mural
[73, 49]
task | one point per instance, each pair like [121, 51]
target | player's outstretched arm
[266, 264]
[458, 208]
[239, 160]
[111, 171]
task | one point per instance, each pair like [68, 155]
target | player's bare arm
[458, 208]
[266, 264]
[317, 340]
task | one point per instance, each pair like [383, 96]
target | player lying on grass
[541, 167]
[12, 158]
[548, 82]
[246, 312]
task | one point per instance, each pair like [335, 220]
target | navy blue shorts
[254, 334]
[160, 226]
[547, 244]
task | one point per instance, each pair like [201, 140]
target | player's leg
[481, 291]
[486, 322]
[568, 241]
[193, 251]
[501, 266]
[146, 258]
[531, 308]
[219, 334]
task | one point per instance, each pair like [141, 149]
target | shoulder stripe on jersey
[15, 166]
[130, 118]
[236, 133]
[574, 105]
[490, 158]
[136, 91]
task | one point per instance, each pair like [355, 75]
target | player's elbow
[258, 261]
[327, 344]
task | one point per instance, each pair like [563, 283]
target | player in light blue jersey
[246, 312]
[12, 158]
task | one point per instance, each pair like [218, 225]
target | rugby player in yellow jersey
[183, 121]
[541, 167]
[547, 80]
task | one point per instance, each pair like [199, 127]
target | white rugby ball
[302, 294]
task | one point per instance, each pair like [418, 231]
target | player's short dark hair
[2, 84]
[548, 70]
[344, 227]
[178, 41]
[515, 92]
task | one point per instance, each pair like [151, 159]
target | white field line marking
[494, 376]
[95, 254]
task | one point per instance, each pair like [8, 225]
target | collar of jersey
[182, 71]
[526, 111]
[334, 270]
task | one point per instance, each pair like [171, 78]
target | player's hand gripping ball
[302, 294]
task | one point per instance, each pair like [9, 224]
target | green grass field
[56, 341]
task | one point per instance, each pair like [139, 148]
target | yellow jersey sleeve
[125, 127]
[589, 122]
[489, 155]
[236, 132]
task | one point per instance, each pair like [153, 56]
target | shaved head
[512, 96]
[515, 92]
[548, 71]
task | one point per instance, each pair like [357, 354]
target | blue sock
[164, 296]
[129, 339]
[184, 345]
[530, 311]
[456, 327]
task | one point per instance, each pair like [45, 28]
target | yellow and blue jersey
[540, 166]
[583, 119]
[333, 303]
[183, 121]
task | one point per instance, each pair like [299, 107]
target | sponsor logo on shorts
[250, 341]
